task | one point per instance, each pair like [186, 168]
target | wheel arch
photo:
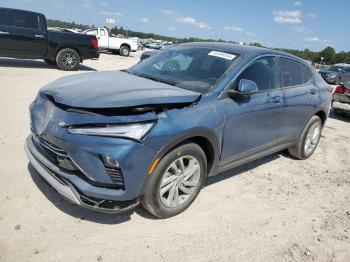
[206, 139]
[125, 44]
[322, 115]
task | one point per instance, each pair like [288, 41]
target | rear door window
[24, 20]
[293, 73]
[3, 17]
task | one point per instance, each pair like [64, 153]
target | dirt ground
[274, 209]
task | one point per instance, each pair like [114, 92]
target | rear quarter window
[3, 17]
[24, 20]
[291, 73]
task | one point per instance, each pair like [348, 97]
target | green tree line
[329, 55]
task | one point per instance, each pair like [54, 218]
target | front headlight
[134, 131]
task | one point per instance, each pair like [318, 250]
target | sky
[296, 24]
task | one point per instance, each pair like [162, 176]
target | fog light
[110, 162]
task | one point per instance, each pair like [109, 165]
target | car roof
[20, 10]
[252, 51]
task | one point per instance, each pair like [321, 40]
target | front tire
[176, 181]
[124, 51]
[308, 140]
[68, 59]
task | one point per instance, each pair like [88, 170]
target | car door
[252, 122]
[103, 38]
[346, 76]
[28, 34]
[5, 41]
[300, 97]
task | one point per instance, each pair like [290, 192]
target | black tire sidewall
[151, 199]
[59, 60]
[121, 51]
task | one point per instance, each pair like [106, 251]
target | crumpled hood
[115, 89]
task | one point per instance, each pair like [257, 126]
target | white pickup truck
[115, 44]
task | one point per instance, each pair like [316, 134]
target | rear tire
[308, 140]
[124, 51]
[176, 181]
[68, 59]
[49, 61]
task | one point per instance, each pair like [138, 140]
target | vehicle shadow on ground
[10, 62]
[244, 168]
[75, 211]
[344, 118]
[101, 218]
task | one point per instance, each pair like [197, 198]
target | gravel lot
[274, 209]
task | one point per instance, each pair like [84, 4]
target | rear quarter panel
[80, 42]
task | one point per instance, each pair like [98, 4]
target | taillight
[94, 43]
[340, 89]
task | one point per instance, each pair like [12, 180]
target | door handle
[312, 91]
[276, 99]
[4, 33]
[39, 36]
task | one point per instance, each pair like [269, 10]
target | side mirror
[347, 85]
[245, 88]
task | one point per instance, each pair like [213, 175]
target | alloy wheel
[69, 60]
[180, 181]
[312, 138]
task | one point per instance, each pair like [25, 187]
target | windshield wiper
[156, 79]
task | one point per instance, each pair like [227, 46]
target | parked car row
[157, 45]
[24, 35]
[336, 74]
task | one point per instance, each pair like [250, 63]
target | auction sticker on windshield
[222, 55]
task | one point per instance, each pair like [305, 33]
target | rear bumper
[58, 180]
[341, 101]
[341, 106]
[91, 55]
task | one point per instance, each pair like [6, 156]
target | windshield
[335, 68]
[193, 68]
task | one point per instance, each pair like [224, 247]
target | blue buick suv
[153, 133]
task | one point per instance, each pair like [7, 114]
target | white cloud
[167, 12]
[297, 3]
[301, 29]
[110, 13]
[192, 21]
[172, 28]
[311, 15]
[144, 20]
[250, 34]
[233, 28]
[311, 39]
[287, 17]
[104, 3]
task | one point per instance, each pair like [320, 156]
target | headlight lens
[134, 131]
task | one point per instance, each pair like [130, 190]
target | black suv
[24, 34]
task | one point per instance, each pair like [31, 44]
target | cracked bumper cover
[58, 180]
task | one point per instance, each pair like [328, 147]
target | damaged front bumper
[61, 181]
